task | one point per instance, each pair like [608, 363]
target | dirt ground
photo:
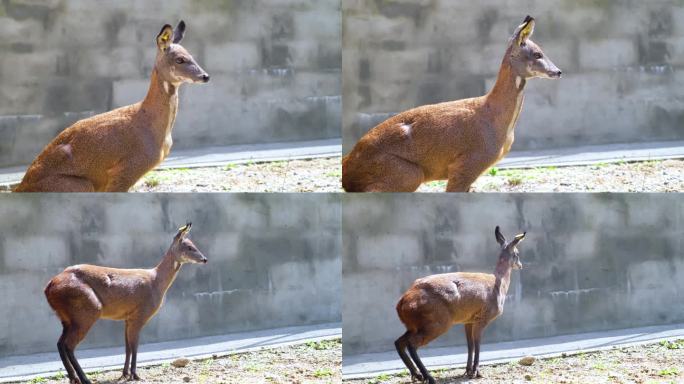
[316, 175]
[648, 176]
[324, 175]
[650, 364]
[313, 362]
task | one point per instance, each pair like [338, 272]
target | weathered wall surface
[622, 62]
[275, 68]
[591, 262]
[274, 260]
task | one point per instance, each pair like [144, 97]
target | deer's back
[464, 297]
[119, 291]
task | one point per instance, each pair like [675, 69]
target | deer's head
[509, 251]
[526, 58]
[183, 248]
[174, 63]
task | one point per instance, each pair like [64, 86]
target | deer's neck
[160, 105]
[505, 100]
[166, 272]
[502, 273]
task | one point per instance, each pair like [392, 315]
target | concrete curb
[20, 368]
[594, 154]
[373, 364]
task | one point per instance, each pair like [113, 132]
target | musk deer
[435, 303]
[82, 294]
[456, 140]
[110, 152]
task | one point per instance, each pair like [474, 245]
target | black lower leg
[134, 358]
[127, 362]
[469, 339]
[65, 359]
[401, 344]
[81, 375]
[476, 363]
[414, 355]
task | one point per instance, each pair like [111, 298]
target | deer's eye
[538, 55]
[180, 60]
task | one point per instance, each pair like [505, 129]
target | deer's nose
[204, 260]
[559, 73]
[205, 78]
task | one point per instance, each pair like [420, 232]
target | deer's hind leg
[391, 173]
[61, 348]
[402, 344]
[423, 336]
[86, 311]
[58, 183]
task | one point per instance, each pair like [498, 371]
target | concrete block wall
[622, 61]
[590, 262]
[274, 261]
[275, 68]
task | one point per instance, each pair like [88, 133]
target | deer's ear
[524, 31]
[518, 238]
[183, 231]
[165, 37]
[179, 33]
[499, 237]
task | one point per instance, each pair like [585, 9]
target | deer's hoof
[431, 380]
[475, 375]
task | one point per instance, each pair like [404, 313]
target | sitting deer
[433, 304]
[110, 152]
[457, 140]
[82, 294]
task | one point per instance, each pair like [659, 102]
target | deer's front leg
[133, 336]
[461, 177]
[124, 175]
[126, 371]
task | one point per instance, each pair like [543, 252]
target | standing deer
[110, 152]
[435, 303]
[82, 294]
[456, 140]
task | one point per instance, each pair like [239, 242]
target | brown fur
[456, 140]
[82, 294]
[433, 304]
[110, 152]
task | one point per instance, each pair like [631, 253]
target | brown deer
[82, 294]
[456, 140]
[435, 303]
[112, 151]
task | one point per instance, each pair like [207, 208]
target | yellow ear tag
[526, 31]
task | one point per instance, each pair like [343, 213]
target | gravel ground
[656, 363]
[649, 176]
[313, 362]
[324, 175]
[315, 175]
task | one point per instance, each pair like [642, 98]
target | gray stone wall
[622, 61]
[275, 68]
[274, 260]
[591, 262]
